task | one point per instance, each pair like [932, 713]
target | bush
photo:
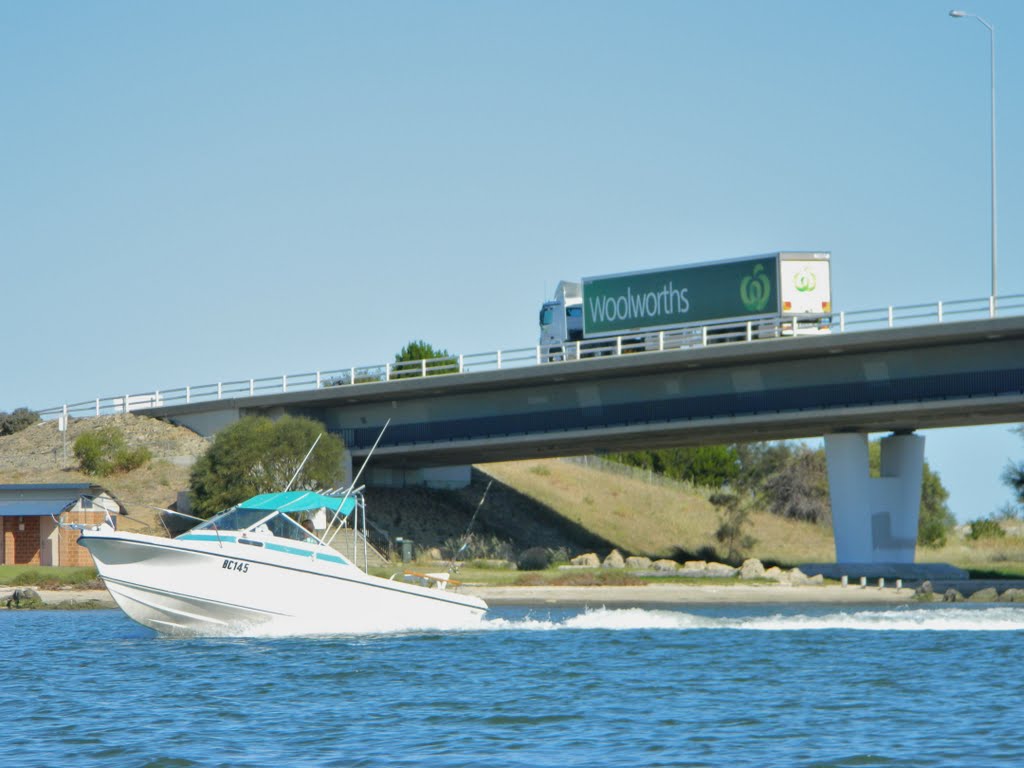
[986, 529]
[534, 559]
[105, 452]
[16, 421]
[479, 547]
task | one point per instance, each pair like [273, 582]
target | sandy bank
[682, 594]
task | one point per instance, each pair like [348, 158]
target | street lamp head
[957, 14]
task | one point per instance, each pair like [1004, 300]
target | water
[708, 686]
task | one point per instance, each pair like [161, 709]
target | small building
[29, 534]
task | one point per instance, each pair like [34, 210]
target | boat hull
[220, 586]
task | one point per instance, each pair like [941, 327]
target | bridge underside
[668, 424]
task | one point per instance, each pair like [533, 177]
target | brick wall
[69, 551]
[21, 547]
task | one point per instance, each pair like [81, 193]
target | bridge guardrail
[750, 331]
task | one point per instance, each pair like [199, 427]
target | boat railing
[435, 580]
[380, 540]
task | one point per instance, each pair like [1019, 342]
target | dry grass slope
[653, 518]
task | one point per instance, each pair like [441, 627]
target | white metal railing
[753, 330]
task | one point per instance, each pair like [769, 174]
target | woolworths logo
[756, 290]
[805, 281]
[632, 307]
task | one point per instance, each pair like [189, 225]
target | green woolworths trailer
[783, 293]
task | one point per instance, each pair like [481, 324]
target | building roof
[40, 499]
[47, 486]
[32, 508]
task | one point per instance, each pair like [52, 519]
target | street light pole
[992, 47]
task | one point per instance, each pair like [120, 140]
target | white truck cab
[561, 319]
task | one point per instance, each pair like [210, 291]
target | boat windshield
[258, 521]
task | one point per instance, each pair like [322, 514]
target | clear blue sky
[198, 191]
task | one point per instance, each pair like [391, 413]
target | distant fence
[755, 330]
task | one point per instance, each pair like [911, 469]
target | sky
[193, 192]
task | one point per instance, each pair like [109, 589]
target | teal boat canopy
[299, 501]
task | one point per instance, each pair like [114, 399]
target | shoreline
[621, 596]
[646, 594]
[52, 598]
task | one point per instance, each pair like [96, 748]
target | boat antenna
[308, 453]
[352, 485]
[465, 536]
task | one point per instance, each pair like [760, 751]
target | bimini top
[299, 501]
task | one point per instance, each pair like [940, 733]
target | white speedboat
[255, 568]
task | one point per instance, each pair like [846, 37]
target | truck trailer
[786, 293]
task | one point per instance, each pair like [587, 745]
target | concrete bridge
[899, 380]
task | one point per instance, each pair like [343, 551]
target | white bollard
[845, 580]
[863, 582]
[881, 583]
[899, 583]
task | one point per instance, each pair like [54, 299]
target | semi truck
[786, 293]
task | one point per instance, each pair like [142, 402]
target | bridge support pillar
[874, 519]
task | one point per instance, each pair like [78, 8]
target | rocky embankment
[752, 569]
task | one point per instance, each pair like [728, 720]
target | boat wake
[908, 619]
[902, 619]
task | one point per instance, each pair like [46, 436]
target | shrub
[534, 559]
[985, 528]
[105, 452]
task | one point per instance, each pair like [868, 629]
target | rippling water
[908, 686]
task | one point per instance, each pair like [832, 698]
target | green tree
[759, 461]
[1013, 474]
[105, 451]
[733, 517]
[256, 455]
[440, 361]
[934, 520]
[711, 466]
[799, 490]
[17, 420]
